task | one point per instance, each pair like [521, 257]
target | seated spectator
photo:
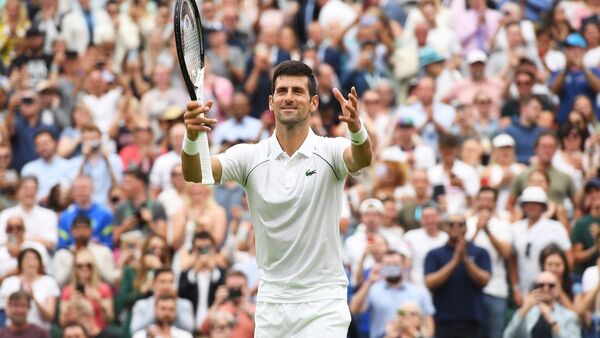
[81, 311]
[530, 236]
[70, 139]
[403, 147]
[143, 310]
[553, 259]
[83, 205]
[201, 276]
[165, 312]
[15, 243]
[233, 297]
[221, 325]
[456, 273]
[74, 330]
[9, 179]
[408, 323]
[384, 290]
[524, 128]
[417, 196]
[173, 197]
[139, 211]
[569, 158]
[49, 168]
[239, 127]
[541, 315]
[586, 231]
[40, 223]
[42, 288]
[81, 228]
[160, 175]
[18, 306]
[142, 152]
[85, 283]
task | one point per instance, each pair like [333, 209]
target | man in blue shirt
[101, 218]
[575, 79]
[524, 129]
[456, 274]
[385, 291]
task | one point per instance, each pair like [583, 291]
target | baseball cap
[503, 140]
[81, 220]
[575, 40]
[475, 56]
[593, 182]
[371, 203]
[428, 55]
[533, 195]
[405, 122]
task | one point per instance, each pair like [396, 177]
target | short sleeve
[483, 260]
[502, 231]
[235, 163]
[337, 147]
[105, 291]
[517, 185]
[427, 302]
[431, 264]
[577, 236]
[590, 279]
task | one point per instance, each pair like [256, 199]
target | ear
[271, 102]
[314, 103]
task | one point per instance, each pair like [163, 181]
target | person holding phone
[541, 315]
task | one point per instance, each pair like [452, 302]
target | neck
[19, 327]
[421, 198]
[533, 220]
[432, 231]
[405, 144]
[525, 122]
[595, 212]
[290, 139]
[544, 165]
[27, 207]
[85, 205]
[139, 198]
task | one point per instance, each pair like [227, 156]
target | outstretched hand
[194, 119]
[349, 109]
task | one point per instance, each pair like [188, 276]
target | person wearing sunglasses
[408, 323]
[457, 273]
[541, 315]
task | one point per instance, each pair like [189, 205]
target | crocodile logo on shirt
[311, 172]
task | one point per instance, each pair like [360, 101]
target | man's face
[30, 104]
[27, 192]
[426, 90]
[485, 201]
[17, 311]
[15, 227]
[291, 101]
[165, 311]
[533, 210]
[81, 233]
[131, 185]
[371, 218]
[524, 85]
[545, 149]
[477, 70]
[82, 190]
[430, 218]
[45, 146]
[372, 102]
[456, 228]
[420, 183]
[240, 106]
[547, 284]
[448, 155]
[163, 283]
[74, 332]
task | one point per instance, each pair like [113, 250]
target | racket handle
[204, 154]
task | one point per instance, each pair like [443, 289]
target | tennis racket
[190, 52]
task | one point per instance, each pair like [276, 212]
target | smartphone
[80, 288]
[438, 190]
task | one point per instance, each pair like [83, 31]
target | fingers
[338, 95]
[194, 116]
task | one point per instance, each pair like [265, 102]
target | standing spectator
[457, 273]
[139, 211]
[541, 315]
[384, 290]
[173, 198]
[162, 95]
[524, 128]
[226, 60]
[233, 297]
[161, 173]
[553, 259]
[40, 223]
[50, 169]
[101, 99]
[143, 310]
[239, 127]
[142, 152]
[570, 157]
[23, 122]
[83, 205]
[575, 79]
[85, 283]
[422, 240]
[81, 311]
[524, 81]
[403, 147]
[530, 236]
[494, 235]
[586, 232]
[17, 309]
[165, 313]
[95, 21]
[70, 139]
[42, 288]
[413, 203]
[475, 24]
[460, 180]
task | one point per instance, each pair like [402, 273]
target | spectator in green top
[586, 231]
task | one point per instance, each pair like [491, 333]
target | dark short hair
[295, 68]
[167, 296]
[137, 174]
[489, 189]
[161, 271]
[545, 133]
[204, 235]
[236, 273]
[81, 219]
[44, 131]
[19, 295]
[75, 324]
[448, 141]
[21, 256]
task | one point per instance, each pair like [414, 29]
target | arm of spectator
[592, 78]
[10, 120]
[178, 221]
[141, 315]
[586, 302]
[127, 225]
[436, 278]
[47, 308]
[252, 79]
[359, 303]
[516, 328]
[558, 81]
[503, 248]
[67, 145]
[479, 270]
[61, 266]
[107, 269]
[513, 277]
[185, 315]
[581, 255]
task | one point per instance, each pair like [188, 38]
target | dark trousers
[458, 329]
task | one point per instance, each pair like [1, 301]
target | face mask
[391, 273]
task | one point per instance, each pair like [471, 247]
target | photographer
[199, 283]
[408, 323]
[139, 211]
[541, 315]
[233, 298]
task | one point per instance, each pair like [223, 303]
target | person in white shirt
[486, 230]
[403, 147]
[164, 312]
[294, 184]
[422, 240]
[41, 224]
[530, 236]
[160, 175]
[240, 126]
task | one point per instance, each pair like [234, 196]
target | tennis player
[294, 184]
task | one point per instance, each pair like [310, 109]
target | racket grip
[204, 154]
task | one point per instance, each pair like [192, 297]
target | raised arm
[190, 160]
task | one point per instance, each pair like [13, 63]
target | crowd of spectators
[479, 217]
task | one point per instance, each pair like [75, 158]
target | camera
[235, 293]
[95, 145]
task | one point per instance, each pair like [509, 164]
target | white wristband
[359, 137]
[189, 147]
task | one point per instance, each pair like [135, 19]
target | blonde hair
[95, 274]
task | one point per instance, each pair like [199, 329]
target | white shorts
[328, 318]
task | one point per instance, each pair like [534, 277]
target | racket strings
[191, 43]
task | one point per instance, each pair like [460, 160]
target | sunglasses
[115, 199]
[483, 101]
[27, 100]
[454, 224]
[220, 327]
[14, 228]
[143, 129]
[543, 285]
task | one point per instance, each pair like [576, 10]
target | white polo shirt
[295, 203]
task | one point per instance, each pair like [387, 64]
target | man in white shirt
[422, 240]
[493, 234]
[294, 184]
[240, 126]
[530, 236]
[41, 224]
[160, 175]
[165, 308]
[403, 147]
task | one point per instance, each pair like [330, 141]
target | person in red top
[17, 307]
[86, 283]
[233, 297]
[142, 152]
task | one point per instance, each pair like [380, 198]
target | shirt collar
[305, 149]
